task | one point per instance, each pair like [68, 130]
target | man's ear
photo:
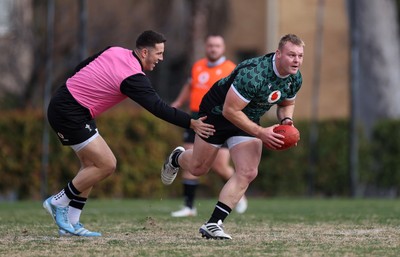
[144, 52]
[278, 53]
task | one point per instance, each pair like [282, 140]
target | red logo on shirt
[274, 96]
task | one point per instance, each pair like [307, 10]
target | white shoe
[169, 172]
[241, 206]
[184, 212]
[213, 231]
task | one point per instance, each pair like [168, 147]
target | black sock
[189, 192]
[174, 159]
[220, 212]
[71, 191]
[78, 202]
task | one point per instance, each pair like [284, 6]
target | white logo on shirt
[204, 77]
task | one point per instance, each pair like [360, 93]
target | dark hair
[149, 38]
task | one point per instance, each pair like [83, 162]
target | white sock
[74, 215]
[60, 199]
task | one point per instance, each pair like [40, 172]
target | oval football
[292, 135]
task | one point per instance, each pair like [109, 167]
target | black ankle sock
[189, 192]
[71, 191]
[78, 202]
[174, 159]
[220, 212]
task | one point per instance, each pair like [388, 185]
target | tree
[377, 26]
[16, 46]
[375, 62]
[107, 24]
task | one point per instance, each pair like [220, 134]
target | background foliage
[140, 143]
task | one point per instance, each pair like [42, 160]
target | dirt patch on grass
[158, 238]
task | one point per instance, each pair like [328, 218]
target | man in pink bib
[100, 82]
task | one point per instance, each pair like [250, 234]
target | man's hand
[202, 129]
[271, 139]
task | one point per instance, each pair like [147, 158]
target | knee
[108, 167]
[248, 174]
[252, 175]
[198, 170]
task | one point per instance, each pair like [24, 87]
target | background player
[205, 72]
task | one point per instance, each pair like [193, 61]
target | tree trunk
[379, 61]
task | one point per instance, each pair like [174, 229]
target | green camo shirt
[256, 83]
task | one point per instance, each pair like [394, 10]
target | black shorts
[224, 129]
[71, 121]
[188, 137]
[189, 134]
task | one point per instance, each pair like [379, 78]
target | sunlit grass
[270, 227]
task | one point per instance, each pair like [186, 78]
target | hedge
[141, 142]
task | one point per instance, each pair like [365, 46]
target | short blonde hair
[292, 39]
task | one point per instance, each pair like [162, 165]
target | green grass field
[270, 227]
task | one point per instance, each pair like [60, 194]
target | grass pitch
[270, 227]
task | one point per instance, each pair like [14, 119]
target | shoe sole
[184, 216]
[191, 214]
[63, 233]
[170, 180]
[167, 181]
[205, 234]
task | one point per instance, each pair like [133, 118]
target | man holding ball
[234, 105]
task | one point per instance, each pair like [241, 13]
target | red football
[292, 136]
